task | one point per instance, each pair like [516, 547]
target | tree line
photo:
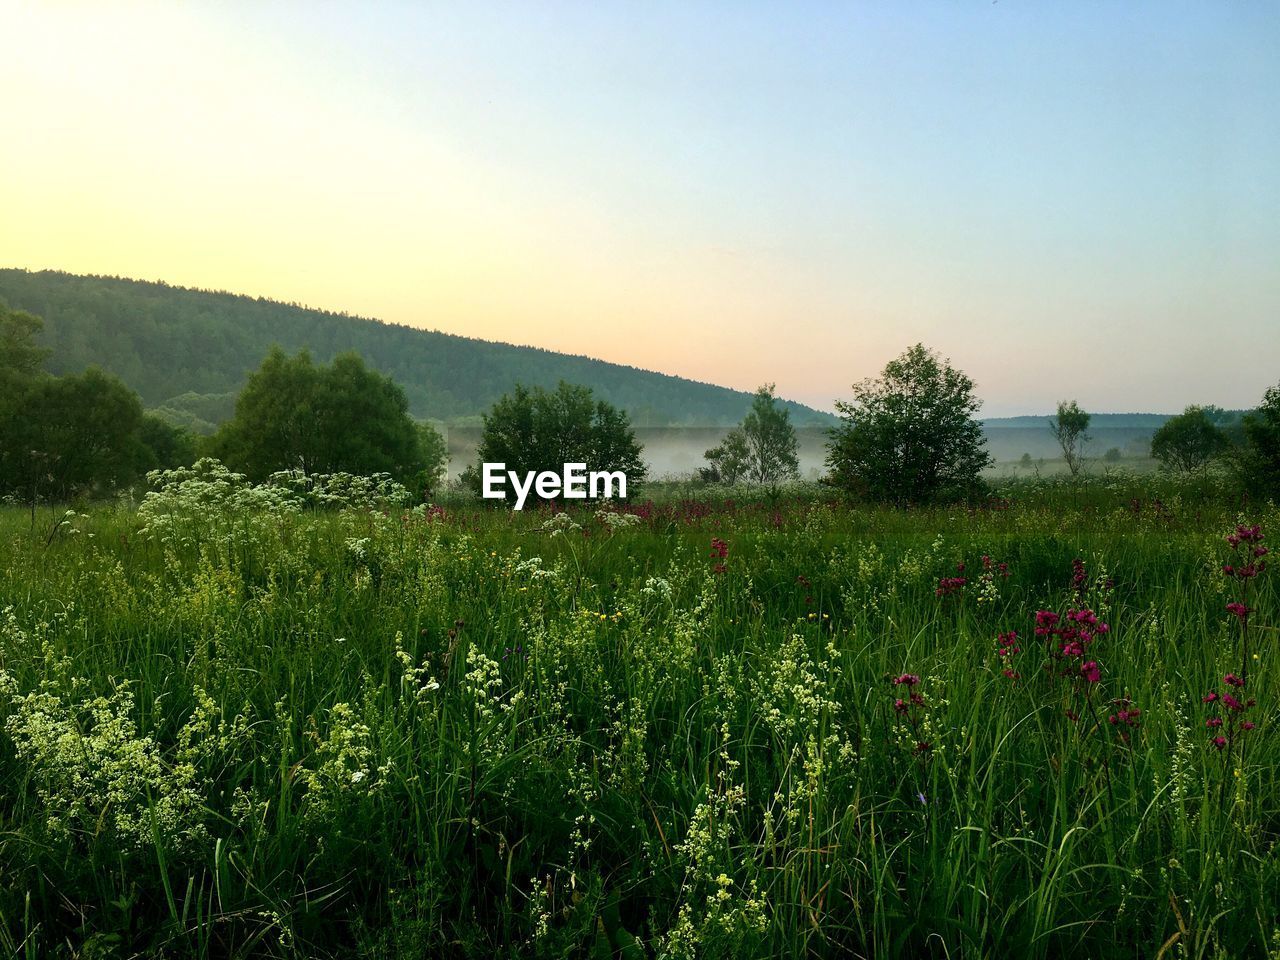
[909, 436]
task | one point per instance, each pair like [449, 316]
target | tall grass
[471, 733]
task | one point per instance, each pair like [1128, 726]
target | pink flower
[1090, 671]
[906, 679]
[1239, 610]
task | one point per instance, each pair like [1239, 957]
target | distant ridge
[189, 351]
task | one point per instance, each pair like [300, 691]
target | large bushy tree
[1188, 441]
[909, 436]
[296, 415]
[62, 437]
[73, 436]
[537, 429]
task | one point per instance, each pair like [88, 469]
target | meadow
[238, 722]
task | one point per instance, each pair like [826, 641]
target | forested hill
[190, 350]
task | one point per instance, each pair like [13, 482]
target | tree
[1260, 458]
[294, 415]
[1069, 426]
[771, 440]
[537, 430]
[169, 445]
[74, 436]
[433, 450]
[1188, 441]
[727, 462]
[762, 449]
[911, 435]
[20, 357]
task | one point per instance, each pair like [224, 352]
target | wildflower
[1126, 716]
[1090, 671]
[991, 566]
[906, 679]
[1008, 643]
[1079, 579]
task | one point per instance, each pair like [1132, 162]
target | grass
[258, 732]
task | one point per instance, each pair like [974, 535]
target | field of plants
[308, 721]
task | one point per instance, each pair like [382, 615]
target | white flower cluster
[559, 523]
[616, 521]
[342, 491]
[188, 502]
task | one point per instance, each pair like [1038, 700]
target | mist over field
[678, 452]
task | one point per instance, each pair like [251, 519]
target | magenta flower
[1239, 610]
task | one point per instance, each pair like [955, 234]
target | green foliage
[169, 446]
[910, 436]
[762, 450]
[536, 429]
[73, 436]
[1261, 456]
[294, 415]
[727, 462]
[1070, 426]
[1189, 441]
[200, 413]
[433, 453]
[20, 355]
[168, 342]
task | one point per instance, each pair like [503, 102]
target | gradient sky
[1067, 199]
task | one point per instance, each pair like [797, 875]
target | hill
[189, 351]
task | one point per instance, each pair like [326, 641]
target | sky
[1069, 200]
